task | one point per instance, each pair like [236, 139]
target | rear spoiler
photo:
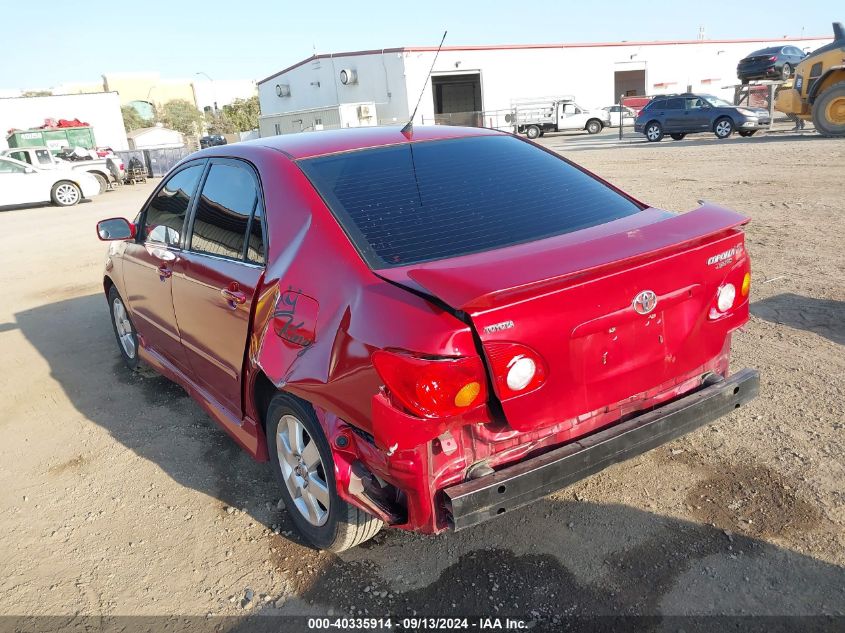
[483, 280]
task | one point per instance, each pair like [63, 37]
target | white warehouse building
[476, 85]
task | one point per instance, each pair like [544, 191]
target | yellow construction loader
[818, 91]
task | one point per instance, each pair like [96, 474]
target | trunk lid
[570, 299]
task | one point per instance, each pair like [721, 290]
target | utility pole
[213, 90]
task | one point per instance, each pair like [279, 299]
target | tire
[532, 132]
[102, 181]
[723, 127]
[786, 71]
[747, 133]
[678, 136]
[829, 111]
[653, 132]
[594, 126]
[324, 519]
[124, 330]
[65, 194]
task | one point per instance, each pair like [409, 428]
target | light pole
[213, 89]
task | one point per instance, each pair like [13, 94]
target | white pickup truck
[106, 170]
[535, 117]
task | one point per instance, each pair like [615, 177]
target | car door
[655, 110]
[698, 118]
[148, 264]
[796, 55]
[20, 184]
[216, 277]
[676, 120]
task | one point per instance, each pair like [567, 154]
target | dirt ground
[119, 496]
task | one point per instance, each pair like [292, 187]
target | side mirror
[28, 170]
[115, 229]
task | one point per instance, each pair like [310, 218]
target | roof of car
[765, 50]
[309, 144]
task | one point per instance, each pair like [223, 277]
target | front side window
[716, 102]
[8, 167]
[228, 199]
[418, 202]
[165, 215]
[21, 156]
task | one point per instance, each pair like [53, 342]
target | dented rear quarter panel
[357, 312]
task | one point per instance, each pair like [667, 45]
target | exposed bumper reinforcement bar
[481, 499]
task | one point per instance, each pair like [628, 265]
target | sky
[250, 39]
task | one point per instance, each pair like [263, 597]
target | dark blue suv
[679, 115]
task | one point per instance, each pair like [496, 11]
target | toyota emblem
[645, 302]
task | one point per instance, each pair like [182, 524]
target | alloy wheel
[67, 194]
[723, 129]
[303, 470]
[653, 132]
[124, 328]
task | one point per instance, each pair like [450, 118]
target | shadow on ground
[145, 412]
[555, 559]
[825, 317]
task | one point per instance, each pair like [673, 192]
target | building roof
[310, 144]
[496, 47]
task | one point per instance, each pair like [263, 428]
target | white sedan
[628, 115]
[21, 183]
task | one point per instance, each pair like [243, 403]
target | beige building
[145, 89]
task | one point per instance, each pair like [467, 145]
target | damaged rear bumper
[481, 499]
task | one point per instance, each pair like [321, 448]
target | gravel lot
[119, 496]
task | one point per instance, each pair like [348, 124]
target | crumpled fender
[290, 321]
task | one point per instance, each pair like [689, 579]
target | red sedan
[427, 330]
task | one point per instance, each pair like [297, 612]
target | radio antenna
[409, 126]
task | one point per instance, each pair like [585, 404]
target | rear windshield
[418, 202]
[764, 51]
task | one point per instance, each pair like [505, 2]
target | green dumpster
[54, 139]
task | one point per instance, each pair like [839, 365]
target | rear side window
[229, 196]
[675, 104]
[418, 202]
[255, 246]
[658, 104]
[165, 216]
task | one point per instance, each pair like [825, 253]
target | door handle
[233, 295]
[162, 254]
[164, 271]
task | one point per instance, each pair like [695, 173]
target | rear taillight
[432, 388]
[733, 291]
[516, 368]
[773, 58]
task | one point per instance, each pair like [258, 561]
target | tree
[218, 123]
[132, 120]
[181, 115]
[243, 114]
